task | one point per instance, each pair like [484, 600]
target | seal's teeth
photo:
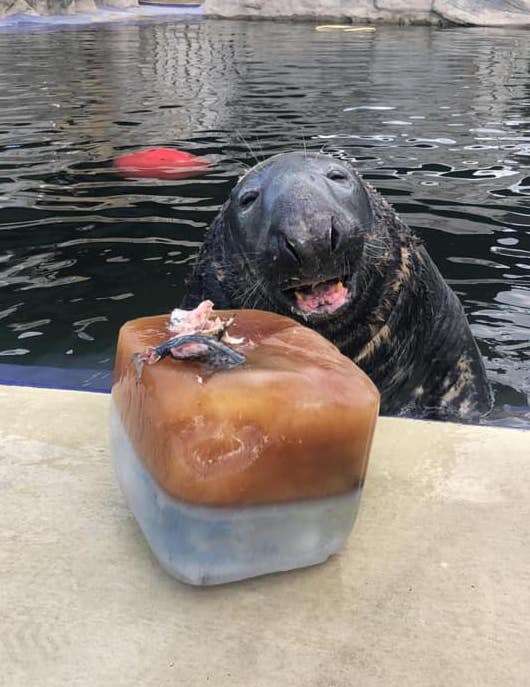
[323, 297]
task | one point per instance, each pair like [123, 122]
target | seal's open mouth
[323, 297]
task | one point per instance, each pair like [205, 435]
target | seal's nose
[308, 247]
[311, 221]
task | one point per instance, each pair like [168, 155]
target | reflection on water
[438, 121]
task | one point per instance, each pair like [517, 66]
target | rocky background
[472, 12]
[436, 12]
[51, 7]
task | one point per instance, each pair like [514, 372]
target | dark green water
[438, 121]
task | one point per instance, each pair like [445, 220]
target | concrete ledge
[433, 588]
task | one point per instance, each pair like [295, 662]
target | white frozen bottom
[205, 545]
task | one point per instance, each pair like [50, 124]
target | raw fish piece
[201, 320]
[245, 471]
[200, 335]
[208, 349]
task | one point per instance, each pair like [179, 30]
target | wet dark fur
[405, 328]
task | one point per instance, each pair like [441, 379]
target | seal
[302, 234]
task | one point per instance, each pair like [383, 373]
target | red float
[160, 163]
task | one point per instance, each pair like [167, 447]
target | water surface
[437, 120]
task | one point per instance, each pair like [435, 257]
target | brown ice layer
[294, 422]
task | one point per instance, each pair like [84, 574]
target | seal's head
[300, 221]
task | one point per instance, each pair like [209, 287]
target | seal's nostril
[289, 249]
[334, 236]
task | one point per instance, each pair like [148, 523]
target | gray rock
[466, 12]
[11, 7]
[85, 6]
[293, 9]
[117, 4]
[484, 12]
[60, 7]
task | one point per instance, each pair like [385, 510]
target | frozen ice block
[240, 472]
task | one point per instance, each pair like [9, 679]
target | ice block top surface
[294, 422]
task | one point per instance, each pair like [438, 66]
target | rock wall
[464, 12]
[52, 7]
[467, 12]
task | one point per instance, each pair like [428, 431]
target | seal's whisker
[230, 268]
[305, 145]
[243, 164]
[347, 265]
[260, 143]
[376, 248]
[244, 140]
[252, 292]
[246, 288]
[234, 158]
[372, 251]
[377, 240]
[257, 294]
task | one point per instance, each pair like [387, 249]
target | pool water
[437, 120]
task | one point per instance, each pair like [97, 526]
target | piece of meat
[197, 334]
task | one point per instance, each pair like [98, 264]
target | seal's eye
[247, 198]
[337, 175]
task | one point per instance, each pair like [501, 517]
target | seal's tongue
[325, 297]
